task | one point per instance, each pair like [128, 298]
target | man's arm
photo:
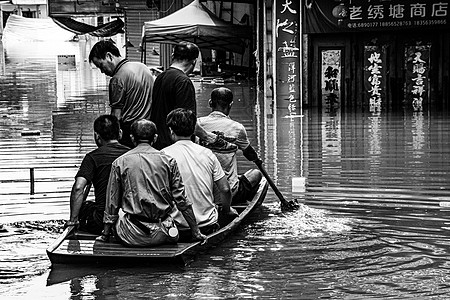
[189, 216]
[80, 190]
[250, 154]
[204, 135]
[113, 196]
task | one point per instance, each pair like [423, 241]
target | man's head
[143, 131]
[185, 54]
[221, 99]
[105, 56]
[182, 122]
[106, 129]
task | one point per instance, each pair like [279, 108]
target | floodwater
[373, 223]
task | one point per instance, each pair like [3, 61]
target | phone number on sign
[397, 23]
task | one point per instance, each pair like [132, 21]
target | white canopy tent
[195, 23]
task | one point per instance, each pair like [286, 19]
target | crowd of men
[160, 174]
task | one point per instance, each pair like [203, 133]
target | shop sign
[397, 13]
[417, 67]
[331, 79]
[371, 15]
[288, 55]
[374, 76]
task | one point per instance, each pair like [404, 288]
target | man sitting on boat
[144, 187]
[218, 121]
[200, 170]
[95, 169]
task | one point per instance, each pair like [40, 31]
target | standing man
[200, 170]
[144, 187]
[245, 186]
[174, 89]
[130, 87]
[95, 169]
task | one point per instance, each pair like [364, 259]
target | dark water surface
[374, 221]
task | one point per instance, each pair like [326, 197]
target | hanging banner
[331, 79]
[417, 66]
[287, 39]
[375, 77]
[321, 16]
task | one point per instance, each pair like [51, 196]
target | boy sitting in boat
[144, 186]
[218, 121]
[200, 170]
[95, 169]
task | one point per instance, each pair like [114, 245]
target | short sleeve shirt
[199, 169]
[96, 166]
[172, 89]
[218, 121]
[130, 89]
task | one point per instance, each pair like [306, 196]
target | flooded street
[374, 219]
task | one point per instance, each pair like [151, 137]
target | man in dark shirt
[95, 169]
[174, 89]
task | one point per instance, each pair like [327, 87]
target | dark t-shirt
[172, 89]
[96, 167]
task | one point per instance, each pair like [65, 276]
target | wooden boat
[76, 247]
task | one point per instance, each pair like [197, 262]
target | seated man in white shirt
[200, 170]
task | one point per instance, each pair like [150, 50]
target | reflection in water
[373, 222]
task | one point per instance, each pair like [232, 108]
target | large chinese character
[439, 9]
[355, 12]
[396, 11]
[286, 6]
[374, 80]
[375, 69]
[418, 10]
[375, 12]
[417, 58]
[288, 26]
[289, 50]
[375, 57]
[419, 68]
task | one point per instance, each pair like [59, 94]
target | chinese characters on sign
[331, 83]
[396, 13]
[287, 53]
[417, 67]
[374, 76]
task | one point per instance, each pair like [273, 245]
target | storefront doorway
[379, 71]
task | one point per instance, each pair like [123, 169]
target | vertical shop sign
[287, 39]
[331, 79]
[417, 63]
[374, 77]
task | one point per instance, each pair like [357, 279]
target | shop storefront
[377, 55]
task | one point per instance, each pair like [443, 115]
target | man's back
[143, 175]
[172, 89]
[199, 169]
[218, 121]
[96, 167]
[131, 91]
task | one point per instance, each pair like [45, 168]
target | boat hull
[74, 247]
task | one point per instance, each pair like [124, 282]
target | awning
[105, 30]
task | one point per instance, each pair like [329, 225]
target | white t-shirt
[199, 169]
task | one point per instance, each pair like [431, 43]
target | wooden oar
[285, 205]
